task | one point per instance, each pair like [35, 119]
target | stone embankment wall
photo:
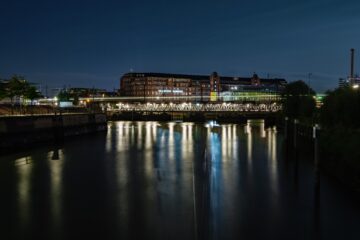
[18, 132]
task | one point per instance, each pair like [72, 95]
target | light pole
[309, 77]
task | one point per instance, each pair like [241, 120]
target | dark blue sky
[92, 43]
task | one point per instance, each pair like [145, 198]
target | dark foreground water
[150, 180]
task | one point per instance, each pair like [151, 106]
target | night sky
[92, 43]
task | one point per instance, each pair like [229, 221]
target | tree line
[340, 107]
[18, 87]
[339, 119]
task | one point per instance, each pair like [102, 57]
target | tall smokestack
[352, 65]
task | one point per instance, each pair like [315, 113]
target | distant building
[350, 81]
[343, 82]
[86, 92]
[150, 85]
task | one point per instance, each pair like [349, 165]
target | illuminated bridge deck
[197, 107]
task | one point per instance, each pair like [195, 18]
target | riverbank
[22, 132]
[338, 150]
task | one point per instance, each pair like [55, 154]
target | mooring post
[295, 132]
[286, 136]
[295, 155]
[286, 128]
[316, 182]
[316, 150]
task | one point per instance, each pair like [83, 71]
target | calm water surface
[151, 180]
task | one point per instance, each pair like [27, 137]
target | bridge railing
[197, 107]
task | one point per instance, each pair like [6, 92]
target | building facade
[147, 86]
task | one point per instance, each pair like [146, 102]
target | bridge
[198, 107]
[185, 107]
[225, 111]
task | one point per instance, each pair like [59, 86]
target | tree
[341, 108]
[16, 87]
[31, 93]
[63, 96]
[76, 99]
[2, 90]
[299, 100]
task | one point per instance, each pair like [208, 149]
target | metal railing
[197, 107]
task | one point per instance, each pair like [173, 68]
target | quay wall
[19, 132]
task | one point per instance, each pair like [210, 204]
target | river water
[152, 180]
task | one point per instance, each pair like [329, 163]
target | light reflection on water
[24, 171]
[162, 180]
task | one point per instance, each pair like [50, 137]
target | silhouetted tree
[299, 100]
[63, 96]
[2, 90]
[16, 87]
[31, 93]
[341, 108]
[76, 99]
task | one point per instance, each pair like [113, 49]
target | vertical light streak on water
[262, 129]
[268, 140]
[216, 180]
[56, 170]
[121, 146]
[187, 141]
[224, 143]
[171, 146]
[132, 128]
[274, 146]
[109, 138]
[127, 130]
[140, 135]
[235, 143]
[24, 171]
[229, 141]
[154, 131]
[148, 155]
[272, 163]
[249, 145]
[122, 174]
[148, 135]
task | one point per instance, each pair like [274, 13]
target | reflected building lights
[274, 149]
[148, 138]
[24, 172]
[230, 140]
[127, 129]
[56, 168]
[272, 157]
[148, 155]
[139, 135]
[154, 130]
[109, 138]
[132, 140]
[235, 142]
[227, 140]
[249, 143]
[120, 137]
[171, 145]
[262, 129]
[187, 141]
[224, 141]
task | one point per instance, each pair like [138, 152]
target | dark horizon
[92, 44]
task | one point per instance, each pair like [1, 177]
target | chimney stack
[352, 65]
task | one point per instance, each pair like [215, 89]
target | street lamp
[309, 77]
